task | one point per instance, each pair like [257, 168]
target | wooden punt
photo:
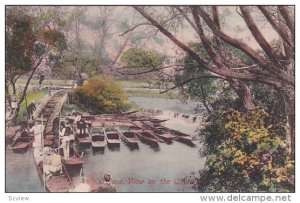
[60, 182]
[128, 136]
[75, 160]
[148, 138]
[163, 134]
[84, 138]
[98, 137]
[21, 144]
[112, 136]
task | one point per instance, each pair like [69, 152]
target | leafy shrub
[245, 155]
[101, 95]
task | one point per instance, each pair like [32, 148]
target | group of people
[51, 159]
[47, 156]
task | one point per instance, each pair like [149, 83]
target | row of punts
[101, 132]
[113, 133]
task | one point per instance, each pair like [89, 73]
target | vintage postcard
[150, 99]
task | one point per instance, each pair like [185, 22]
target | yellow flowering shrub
[251, 156]
[102, 95]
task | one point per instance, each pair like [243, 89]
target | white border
[130, 197]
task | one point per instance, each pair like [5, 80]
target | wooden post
[42, 142]
[59, 139]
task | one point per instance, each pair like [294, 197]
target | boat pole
[58, 148]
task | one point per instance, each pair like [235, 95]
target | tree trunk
[13, 84]
[289, 97]
[8, 97]
[243, 92]
[13, 118]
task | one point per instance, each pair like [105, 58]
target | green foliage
[55, 38]
[202, 88]
[136, 58]
[70, 63]
[19, 42]
[244, 154]
[272, 99]
[101, 95]
[24, 45]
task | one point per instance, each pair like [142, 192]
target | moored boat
[98, 137]
[75, 160]
[128, 136]
[184, 138]
[148, 138]
[58, 182]
[21, 144]
[163, 134]
[83, 138]
[112, 136]
[178, 136]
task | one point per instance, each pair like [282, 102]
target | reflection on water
[21, 174]
[174, 105]
[171, 162]
[134, 169]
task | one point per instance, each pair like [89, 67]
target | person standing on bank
[30, 110]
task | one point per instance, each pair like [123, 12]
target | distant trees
[137, 58]
[25, 49]
[101, 95]
[70, 65]
[144, 64]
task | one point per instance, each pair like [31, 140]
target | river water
[165, 169]
[21, 174]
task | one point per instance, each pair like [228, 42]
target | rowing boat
[75, 160]
[148, 138]
[128, 136]
[112, 137]
[21, 145]
[84, 138]
[98, 137]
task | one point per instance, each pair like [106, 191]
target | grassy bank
[47, 82]
[36, 96]
[153, 94]
[139, 83]
[67, 108]
[123, 83]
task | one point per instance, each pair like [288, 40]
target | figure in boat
[65, 137]
[52, 164]
[37, 130]
[107, 186]
[81, 124]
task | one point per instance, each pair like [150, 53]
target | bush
[101, 95]
[246, 155]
